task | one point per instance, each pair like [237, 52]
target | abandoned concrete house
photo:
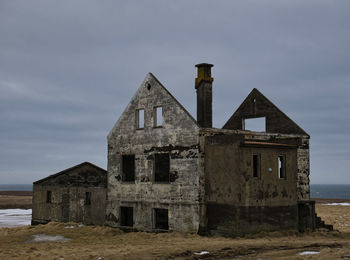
[77, 194]
[168, 171]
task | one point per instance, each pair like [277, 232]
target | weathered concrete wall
[179, 137]
[257, 105]
[71, 209]
[239, 203]
[303, 166]
[68, 193]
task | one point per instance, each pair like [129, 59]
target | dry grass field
[15, 199]
[96, 242]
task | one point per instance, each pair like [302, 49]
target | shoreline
[30, 193]
[329, 200]
[16, 193]
[23, 200]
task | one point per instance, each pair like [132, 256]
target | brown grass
[15, 202]
[94, 242]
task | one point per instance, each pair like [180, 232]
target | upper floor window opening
[87, 198]
[256, 166]
[48, 196]
[158, 116]
[257, 124]
[128, 168]
[282, 167]
[140, 119]
[161, 168]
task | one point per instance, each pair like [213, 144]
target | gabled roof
[257, 105]
[150, 77]
[178, 103]
[71, 169]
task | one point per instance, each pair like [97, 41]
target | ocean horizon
[16, 187]
[327, 191]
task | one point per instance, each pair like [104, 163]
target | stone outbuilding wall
[77, 194]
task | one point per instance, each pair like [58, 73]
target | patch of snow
[80, 225]
[202, 253]
[309, 253]
[69, 227]
[15, 217]
[338, 204]
[47, 238]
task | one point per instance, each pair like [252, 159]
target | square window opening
[255, 124]
[126, 216]
[256, 166]
[161, 219]
[140, 118]
[87, 198]
[158, 116]
[282, 167]
[128, 168]
[161, 168]
[48, 196]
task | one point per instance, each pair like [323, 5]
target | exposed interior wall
[257, 105]
[178, 137]
[239, 203]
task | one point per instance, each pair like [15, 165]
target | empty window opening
[161, 220]
[256, 166]
[127, 216]
[253, 100]
[161, 167]
[282, 166]
[140, 118]
[255, 124]
[87, 198]
[149, 86]
[48, 196]
[128, 164]
[158, 116]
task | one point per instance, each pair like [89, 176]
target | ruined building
[77, 194]
[168, 171]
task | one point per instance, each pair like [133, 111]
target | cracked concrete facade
[220, 181]
[179, 137]
[170, 172]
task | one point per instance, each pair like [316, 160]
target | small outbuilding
[77, 194]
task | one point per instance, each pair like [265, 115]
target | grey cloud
[68, 69]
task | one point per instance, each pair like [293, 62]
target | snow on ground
[309, 253]
[15, 217]
[338, 204]
[202, 253]
[47, 238]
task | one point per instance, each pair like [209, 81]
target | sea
[17, 187]
[328, 191]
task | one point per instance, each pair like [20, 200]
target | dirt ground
[89, 242]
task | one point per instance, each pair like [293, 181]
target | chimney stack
[203, 85]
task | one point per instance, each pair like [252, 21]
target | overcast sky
[69, 68]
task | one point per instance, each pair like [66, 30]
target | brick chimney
[203, 85]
